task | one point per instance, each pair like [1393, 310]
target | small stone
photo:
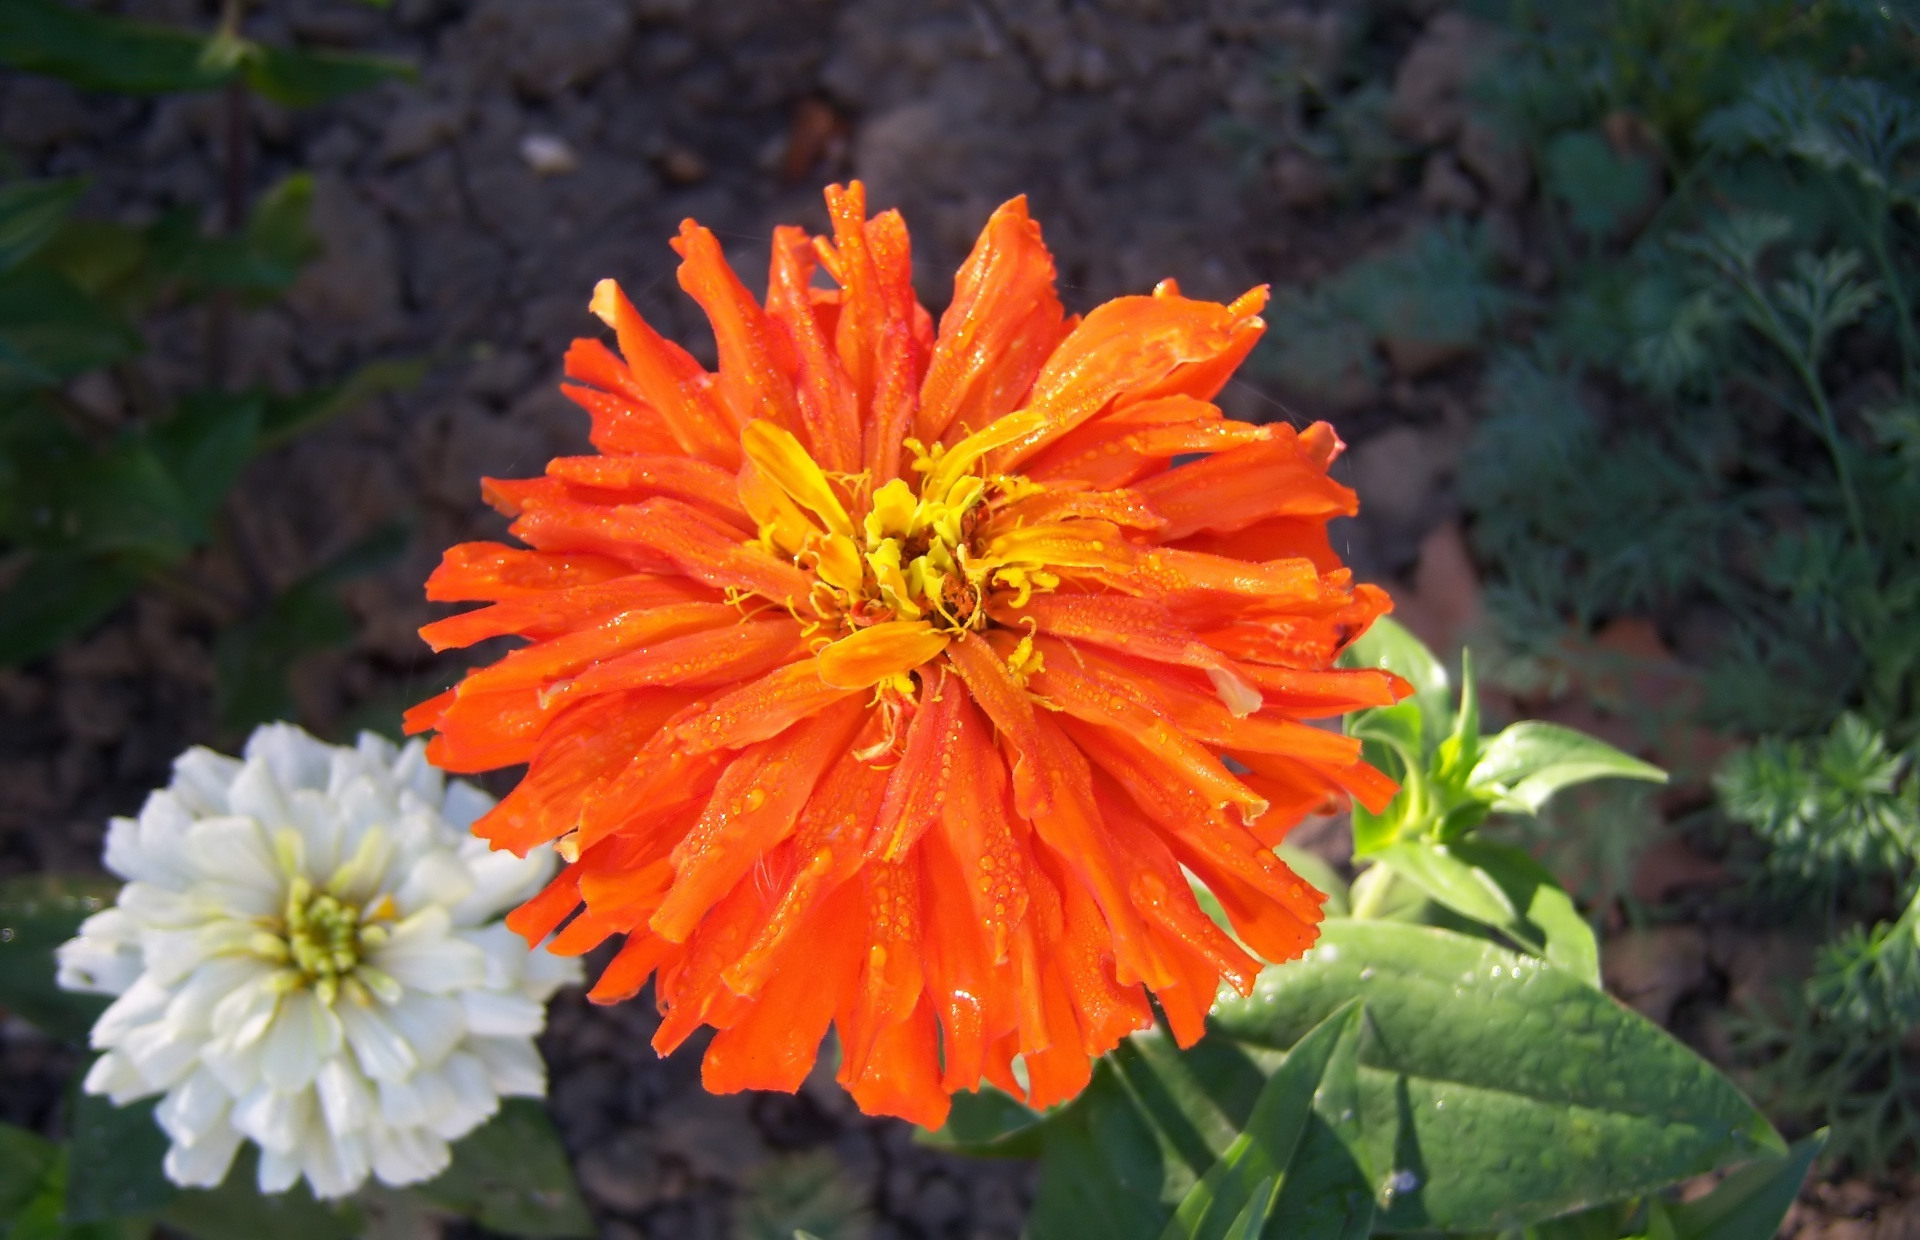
[681, 166]
[1445, 187]
[1396, 473]
[548, 155]
[418, 128]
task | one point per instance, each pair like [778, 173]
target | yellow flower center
[320, 939]
[924, 552]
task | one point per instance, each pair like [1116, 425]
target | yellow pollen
[901, 552]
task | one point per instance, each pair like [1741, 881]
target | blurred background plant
[1702, 416]
[109, 483]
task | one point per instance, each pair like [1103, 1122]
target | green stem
[1371, 891]
[1902, 306]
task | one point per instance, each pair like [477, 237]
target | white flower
[306, 957]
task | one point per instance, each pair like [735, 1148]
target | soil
[464, 219]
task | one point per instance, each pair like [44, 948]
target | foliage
[1828, 810]
[1716, 417]
[1413, 1072]
[96, 503]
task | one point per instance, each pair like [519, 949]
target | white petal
[407, 1155]
[413, 772]
[436, 878]
[161, 1052]
[244, 1015]
[296, 759]
[152, 904]
[275, 1120]
[278, 1170]
[205, 1163]
[502, 1014]
[317, 819]
[170, 955]
[201, 779]
[304, 1033]
[194, 1108]
[335, 1165]
[422, 955]
[514, 1067]
[237, 850]
[463, 805]
[113, 1076]
[98, 963]
[501, 880]
[373, 751]
[237, 1066]
[346, 1097]
[125, 854]
[451, 1100]
[382, 1051]
[542, 973]
[257, 794]
[474, 1099]
[195, 999]
[141, 1004]
[432, 1025]
[505, 953]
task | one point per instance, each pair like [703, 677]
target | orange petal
[490, 572]
[753, 807]
[550, 613]
[669, 380]
[1007, 704]
[1232, 490]
[829, 408]
[868, 656]
[756, 357]
[925, 771]
[997, 332]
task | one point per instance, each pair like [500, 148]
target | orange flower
[898, 680]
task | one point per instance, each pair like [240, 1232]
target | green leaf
[1505, 888]
[114, 1156]
[95, 52]
[1261, 1156]
[1602, 191]
[51, 331]
[38, 912]
[1102, 1174]
[289, 416]
[262, 260]
[120, 501]
[56, 597]
[31, 212]
[987, 1124]
[1496, 1090]
[43, 1216]
[1390, 645]
[511, 1174]
[25, 1160]
[1750, 1202]
[297, 78]
[204, 446]
[238, 1210]
[1526, 764]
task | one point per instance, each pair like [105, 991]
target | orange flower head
[901, 681]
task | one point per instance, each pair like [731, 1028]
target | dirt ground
[465, 218]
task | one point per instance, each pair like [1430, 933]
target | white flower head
[307, 956]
